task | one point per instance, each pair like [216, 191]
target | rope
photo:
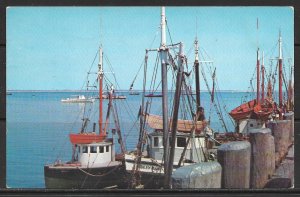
[98, 175]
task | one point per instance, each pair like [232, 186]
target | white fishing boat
[167, 142]
[78, 99]
[94, 162]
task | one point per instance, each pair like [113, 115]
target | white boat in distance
[78, 99]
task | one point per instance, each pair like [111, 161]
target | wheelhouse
[95, 154]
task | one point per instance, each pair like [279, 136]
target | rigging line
[137, 73]
[171, 98]
[80, 91]
[189, 51]
[222, 99]
[216, 107]
[118, 86]
[271, 51]
[220, 111]
[152, 84]
[170, 36]
[90, 68]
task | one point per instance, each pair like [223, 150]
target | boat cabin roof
[97, 144]
[158, 132]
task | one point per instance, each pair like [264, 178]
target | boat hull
[88, 178]
[263, 113]
[243, 111]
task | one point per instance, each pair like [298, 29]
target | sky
[52, 48]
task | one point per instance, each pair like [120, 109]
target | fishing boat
[134, 93]
[243, 111]
[153, 95]
[106, 96]
[172, 142]
[94, 163]
[78, 99]
[255, 113]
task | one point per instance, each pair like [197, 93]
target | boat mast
[262, 78]
[197, 75]
[257, 77]
[280, 72]
[175, 113]
[100, 78]
[163, 50]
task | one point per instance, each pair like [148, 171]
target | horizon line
[68, 90]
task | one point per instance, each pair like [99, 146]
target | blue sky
[52, 48]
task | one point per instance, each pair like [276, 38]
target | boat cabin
[244, 126]
[95, 154]
[194, 152]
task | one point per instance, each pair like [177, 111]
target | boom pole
[175, 113]
[197, 76]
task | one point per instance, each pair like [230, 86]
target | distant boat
[134, 93]
[78, 99]
[105, 96]
[8, 93]
[153, 95]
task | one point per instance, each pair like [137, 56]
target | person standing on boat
[201, 116]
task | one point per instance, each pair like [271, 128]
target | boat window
[155, 142]
[107, 148]
[101, 149]
[93, 149]
[84, 149]
[181, 142]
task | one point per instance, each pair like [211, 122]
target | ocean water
[38, 125]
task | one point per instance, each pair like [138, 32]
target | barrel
[234, 158]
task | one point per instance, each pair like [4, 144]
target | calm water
[38, 125]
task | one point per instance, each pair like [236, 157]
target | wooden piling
[262, 157]
[281, 132]
[234, 158]
[290, 116]
[201, 175]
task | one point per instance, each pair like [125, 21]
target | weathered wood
[284, 174]
[262, 157]
[200, 175]
[234, 158]
[290, 116]
[279, 183]
[281, 132]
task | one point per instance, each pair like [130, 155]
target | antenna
[196, 27]
[257, 31]
[101, 30]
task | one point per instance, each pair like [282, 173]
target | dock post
[290, 116]
[281, 132]
[234, 158]
[262, 157]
